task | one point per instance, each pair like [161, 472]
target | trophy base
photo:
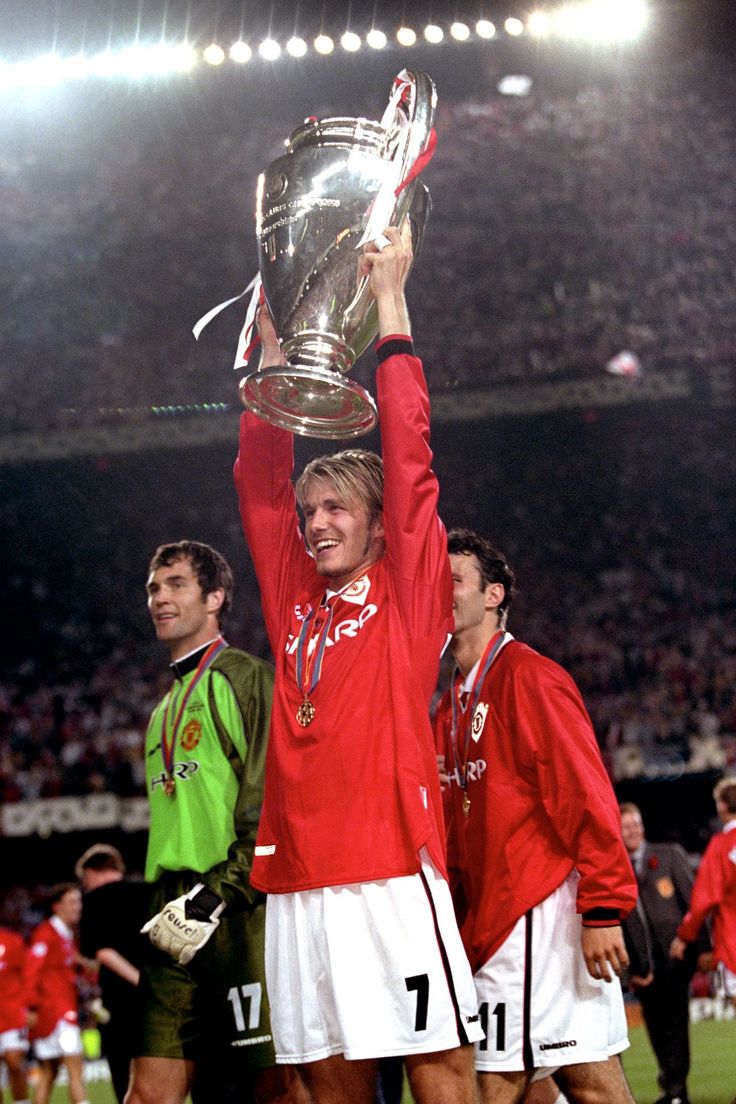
[313, 402]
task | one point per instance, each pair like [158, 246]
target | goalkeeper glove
[184, 925]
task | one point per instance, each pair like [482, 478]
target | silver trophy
[339, 184]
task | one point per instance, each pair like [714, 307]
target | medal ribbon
[493, 647]
[302, 650]
[168, 746]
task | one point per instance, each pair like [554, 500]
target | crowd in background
[639, 607]
[586, 218]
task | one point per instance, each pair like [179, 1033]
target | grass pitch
[712, 1075]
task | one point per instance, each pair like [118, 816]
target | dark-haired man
[540, 875]
[114, 908]
[364, 959]
[660, 982]
[204, 993]
[51, 992]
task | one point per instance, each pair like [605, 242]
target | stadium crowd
[548, 210]
[640, 609]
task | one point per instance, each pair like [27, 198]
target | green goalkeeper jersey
[208, 824]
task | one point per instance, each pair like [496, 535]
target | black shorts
[216, 1003]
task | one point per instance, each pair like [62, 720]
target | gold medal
[169, 786]
[305, 713]
[466, 805]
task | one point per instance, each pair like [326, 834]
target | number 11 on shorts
[500, 1015]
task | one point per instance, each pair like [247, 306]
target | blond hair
[356, 474]
[725, 792]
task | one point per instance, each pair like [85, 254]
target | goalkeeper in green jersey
[204, 994]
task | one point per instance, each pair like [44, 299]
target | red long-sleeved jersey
[51, 977]
[355, 795]
[12, 981]
[541, 803]
[714, 892]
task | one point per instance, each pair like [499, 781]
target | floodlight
[296, 46]
[376, 39]
[240, 52]
[485, 29]
[539, 24]
[513, 26]
[460, 31]
[213, 54]
[350, 41]
[602, 20]
[433, 33]
[161, 59]
[77, 67]
[405, 36]
[269, 49]
[323, 44]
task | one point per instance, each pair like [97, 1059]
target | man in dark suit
[660, 982]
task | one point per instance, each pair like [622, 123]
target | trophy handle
[422, 103]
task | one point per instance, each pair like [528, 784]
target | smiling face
[339, 534]
[184, 618]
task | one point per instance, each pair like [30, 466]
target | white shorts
[15, 1038]
[728, 980]
[539, 1006]
[368, 970]
[65, 1041]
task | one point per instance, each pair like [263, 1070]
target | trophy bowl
[314, 207]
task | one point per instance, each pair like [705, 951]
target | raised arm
[267, 501]
[416, 546]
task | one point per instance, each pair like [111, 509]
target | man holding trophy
[363, 956]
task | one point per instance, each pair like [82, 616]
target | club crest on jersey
[479, 720]
[191, 734]
[357, 591]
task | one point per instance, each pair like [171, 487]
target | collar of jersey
[182, 667]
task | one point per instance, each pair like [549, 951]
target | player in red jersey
[51, 967]
[714, 891]
[363, 956]
[13, 1012]
[540, 875]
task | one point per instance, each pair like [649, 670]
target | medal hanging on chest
[305, 714]
[168, 739]
[310, 652]
[463, 715]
